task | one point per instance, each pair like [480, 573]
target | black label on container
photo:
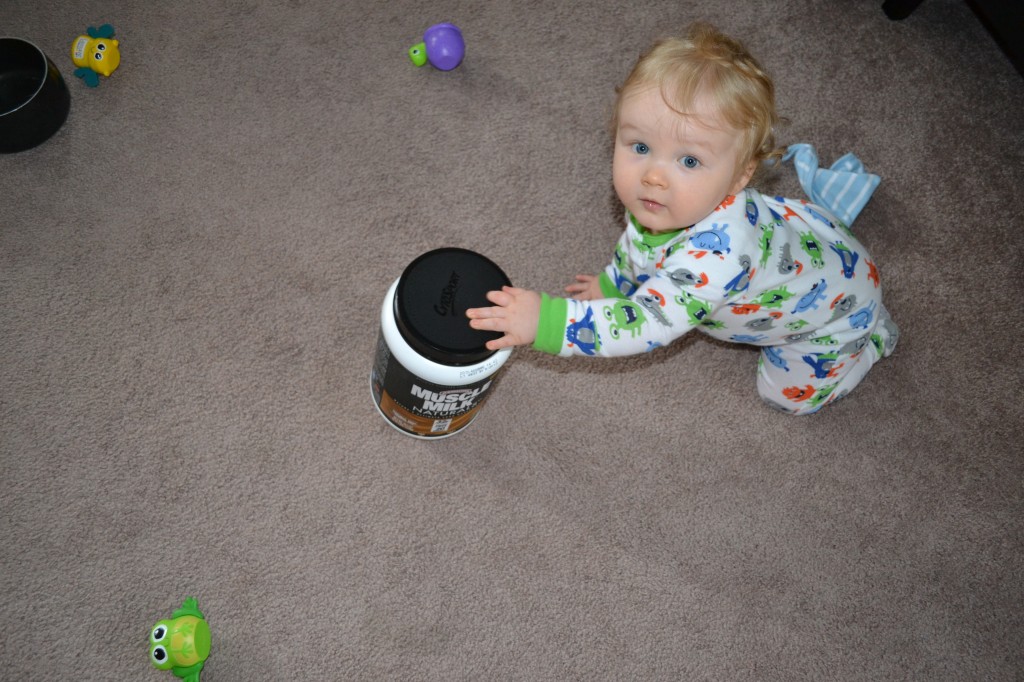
[421, 407]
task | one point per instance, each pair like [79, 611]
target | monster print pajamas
[777, 273]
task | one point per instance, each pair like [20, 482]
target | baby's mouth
[651, 205]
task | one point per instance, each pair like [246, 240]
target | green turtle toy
[182, 643]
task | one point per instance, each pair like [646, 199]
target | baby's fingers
[488, 323]
[581, 283]
[504, 342]
[505, 297]
[485, 313]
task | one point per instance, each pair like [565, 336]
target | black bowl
[34, 99]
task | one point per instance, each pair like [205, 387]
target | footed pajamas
[781, 274]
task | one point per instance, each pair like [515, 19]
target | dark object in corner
[1004, 19]
[34, 99]
[899, 9]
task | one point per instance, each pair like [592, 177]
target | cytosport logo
[451, 402]
[446, 304]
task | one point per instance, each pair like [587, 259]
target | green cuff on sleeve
[551, 326]
[608, 287]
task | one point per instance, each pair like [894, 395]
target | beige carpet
[191, 272]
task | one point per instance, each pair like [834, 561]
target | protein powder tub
[432, 371]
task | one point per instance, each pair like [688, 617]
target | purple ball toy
[442, 46]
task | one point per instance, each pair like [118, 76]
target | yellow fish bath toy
[95, 54]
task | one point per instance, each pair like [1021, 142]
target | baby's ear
[744, 178]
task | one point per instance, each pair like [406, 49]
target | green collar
[653, 238]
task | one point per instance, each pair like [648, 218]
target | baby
[702, 250]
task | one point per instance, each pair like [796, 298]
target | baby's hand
[585, 288]
[516, 313]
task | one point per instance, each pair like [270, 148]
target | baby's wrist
[608, 288]
[551, 324]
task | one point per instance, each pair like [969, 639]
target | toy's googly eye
[158, 655]
[101, 47]
[158, 634]
[98, 56]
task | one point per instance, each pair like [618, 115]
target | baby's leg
[886, 333]
[804, 377]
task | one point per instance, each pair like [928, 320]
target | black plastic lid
[431, 301]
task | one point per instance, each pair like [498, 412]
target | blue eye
[689, 162]
[641, 148]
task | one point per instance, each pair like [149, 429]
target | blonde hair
[709, 63]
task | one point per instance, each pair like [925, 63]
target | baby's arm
[515, 313]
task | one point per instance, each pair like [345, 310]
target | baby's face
[671, 171]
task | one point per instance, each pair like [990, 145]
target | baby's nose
[654, 176]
